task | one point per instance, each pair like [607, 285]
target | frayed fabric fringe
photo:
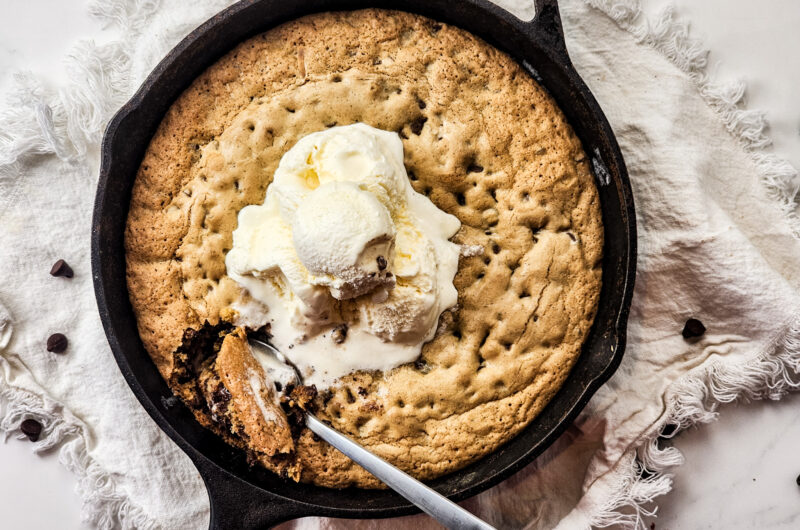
[103, 505]
[66, 123]
[671, 38]
[694, 399]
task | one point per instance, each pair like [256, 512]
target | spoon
[448, 513]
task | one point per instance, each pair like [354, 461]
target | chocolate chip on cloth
[60, 268]
[693, 328]
[57, 343]
[31, 428]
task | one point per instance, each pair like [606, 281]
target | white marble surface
[740, 471]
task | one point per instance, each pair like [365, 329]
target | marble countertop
[740, 471]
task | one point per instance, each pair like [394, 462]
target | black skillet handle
[238, 505]
[546, 27]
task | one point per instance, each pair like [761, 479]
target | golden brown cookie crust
[482, 139]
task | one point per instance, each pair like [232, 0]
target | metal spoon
[429, 501]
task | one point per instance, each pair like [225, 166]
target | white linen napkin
[718, 241]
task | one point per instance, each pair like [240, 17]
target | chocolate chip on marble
[693, 328]
[60, 268]
[381, 263]
[57, 343]
[31, 428]
[339, 333]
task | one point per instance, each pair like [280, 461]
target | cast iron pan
[244, 497]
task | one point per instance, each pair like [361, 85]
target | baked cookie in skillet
[481, 139]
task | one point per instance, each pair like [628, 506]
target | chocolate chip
[693, 328]
[221, 396]
[278, 386]
[31, 428]
[60, 268]
[339, 333]
[381, 263]
[474, 168]
[421, 104]
[798, 480]
[417, 124]
[422, 366]
[57, 343]
[362, 391]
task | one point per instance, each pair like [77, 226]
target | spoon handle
[450, 514]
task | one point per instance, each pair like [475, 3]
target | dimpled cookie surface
[481, 139]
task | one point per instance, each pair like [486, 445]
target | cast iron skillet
[244, 497]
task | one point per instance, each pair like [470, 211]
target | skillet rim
[547, 30]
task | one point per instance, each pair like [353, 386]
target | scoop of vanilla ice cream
[342, 239]
[344, 236]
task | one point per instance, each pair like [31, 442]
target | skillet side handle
[546, 28]
[237, 505]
